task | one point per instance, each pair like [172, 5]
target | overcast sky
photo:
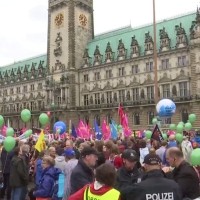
[23, 32]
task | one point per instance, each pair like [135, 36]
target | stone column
[61, 93]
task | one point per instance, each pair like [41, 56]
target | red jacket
[79, 195]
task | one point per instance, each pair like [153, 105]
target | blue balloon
[59, 127]
[165, 108]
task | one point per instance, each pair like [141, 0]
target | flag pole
[155, 55]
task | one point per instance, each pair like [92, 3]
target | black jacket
[187, 179]
[5, 161]
[19, 174]
[126, 178]
[153, 186]
[81, 175]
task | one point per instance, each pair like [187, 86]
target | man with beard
[128, 174]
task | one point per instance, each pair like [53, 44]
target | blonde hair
[25, 148]
[49, 160]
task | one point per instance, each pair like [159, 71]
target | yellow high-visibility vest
[109, 195]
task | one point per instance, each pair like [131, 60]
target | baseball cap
[88, 151]
[69, 152]
[130, 155]
[152, 159]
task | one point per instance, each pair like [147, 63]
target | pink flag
[124, 120]
[105, 130]
[82, 130]
[127, 131]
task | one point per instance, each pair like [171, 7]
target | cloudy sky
[24, 22]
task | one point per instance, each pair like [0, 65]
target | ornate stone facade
[87, 77]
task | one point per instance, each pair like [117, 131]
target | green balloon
[9, 143]
[28, 133]
[172, 127]
[192, 118]
[43, 119]
[164, 136]
[148, 134]
[10, 131]
[179, 128]
[188, 126]
[182, 123]
[1, 121]
[119, 127]
[25, 115]
[195, 157]
[154, 121]
[179, 137]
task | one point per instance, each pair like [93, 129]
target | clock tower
[70, 28]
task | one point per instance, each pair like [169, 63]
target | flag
[40, 144]
[120, 109]
[127, 131]
[82, 130]
[105, 130]
[97, 131]
[113, 130]
[156, 134]
[124, 120]
[121, 114]
[74, 133]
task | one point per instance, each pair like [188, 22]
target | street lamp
[53, 106]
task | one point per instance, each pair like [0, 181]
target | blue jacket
[39, 170]
[45, 188]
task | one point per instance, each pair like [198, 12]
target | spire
[198, 16]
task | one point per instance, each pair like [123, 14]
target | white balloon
[165, 108]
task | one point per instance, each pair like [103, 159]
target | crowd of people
[123, 169]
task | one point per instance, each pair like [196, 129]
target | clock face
[83, 19]
[59, 19]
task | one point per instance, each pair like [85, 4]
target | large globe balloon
[165, 108]
[59, 127]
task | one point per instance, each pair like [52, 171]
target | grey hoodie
[60, 162]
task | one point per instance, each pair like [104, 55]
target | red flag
[156, 134]
[121, 114]
[124, 122]
[105, 130]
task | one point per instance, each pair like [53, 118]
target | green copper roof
[127, 33]
[27, 62]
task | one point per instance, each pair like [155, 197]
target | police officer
[129, 173]
[154, 186]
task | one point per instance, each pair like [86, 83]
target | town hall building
[86, 76]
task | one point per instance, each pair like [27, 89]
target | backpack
[58, 187]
